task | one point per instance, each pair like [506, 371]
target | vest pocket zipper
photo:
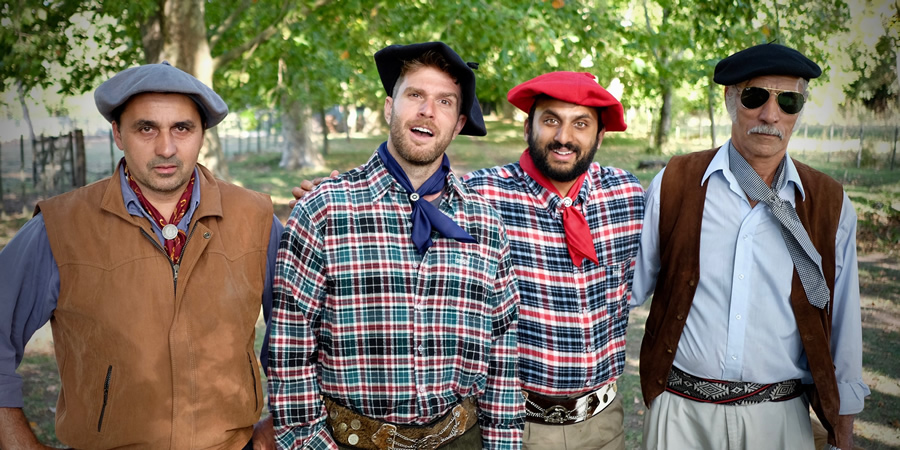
[105, 397]
[253, 378]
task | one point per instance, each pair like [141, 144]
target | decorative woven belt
[719, 392]
[355, 430]
[566, 411]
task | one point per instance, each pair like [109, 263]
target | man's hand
[307, 186]
[264, 434]
[15, 431]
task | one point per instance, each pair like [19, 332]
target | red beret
[579, 88]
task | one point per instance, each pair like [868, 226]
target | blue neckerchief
[425, 216]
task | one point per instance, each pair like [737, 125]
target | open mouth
[563, 152]
[422, 131]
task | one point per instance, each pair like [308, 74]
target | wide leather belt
[351, 429]
[720, 392]
[566, 411]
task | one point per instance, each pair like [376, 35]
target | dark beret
[764, 59]
[389, 61]
[161, 78]
[579, 88]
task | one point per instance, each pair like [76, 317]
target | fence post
[894, 150]
[22, 164]
[859, 153]
[80, 160]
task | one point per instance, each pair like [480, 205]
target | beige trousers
[604, 431]
[675, 423]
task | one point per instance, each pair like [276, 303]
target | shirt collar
[720, 162]
[381, 181]
[549, 200]
[133, 205]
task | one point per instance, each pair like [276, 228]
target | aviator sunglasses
[791, 102]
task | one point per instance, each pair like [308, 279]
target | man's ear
[460, 123]
[600, 135]
[117, 135]
[388, 106]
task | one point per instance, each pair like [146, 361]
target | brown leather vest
[148, 360]
[681, 213]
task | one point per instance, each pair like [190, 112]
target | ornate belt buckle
[384, 437]
[556, 415]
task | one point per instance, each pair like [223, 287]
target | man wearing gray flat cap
[750, 257]
[152, 280]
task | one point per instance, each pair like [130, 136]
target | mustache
[766, 129]
[556, 145]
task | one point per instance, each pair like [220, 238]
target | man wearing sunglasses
[751, 260]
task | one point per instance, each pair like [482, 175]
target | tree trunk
[299, 150]
[711, 110]
[178, 35]
[25, 114]
[665, 120]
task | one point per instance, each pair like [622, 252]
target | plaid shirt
[361, 317]
[572, 320]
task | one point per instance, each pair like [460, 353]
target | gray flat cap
[162, 78]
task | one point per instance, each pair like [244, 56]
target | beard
[541, 158]
[416, 154]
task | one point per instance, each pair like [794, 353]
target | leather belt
[352, 429]
[566, 411]
[721, 392]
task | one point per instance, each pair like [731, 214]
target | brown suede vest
[681, 213]
[148, 360]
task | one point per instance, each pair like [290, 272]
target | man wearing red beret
[751, 260]
[574, 228]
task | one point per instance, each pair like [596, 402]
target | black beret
[162, 78]
[764, 59]
[389, 61]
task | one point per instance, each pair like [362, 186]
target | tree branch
[226, 25]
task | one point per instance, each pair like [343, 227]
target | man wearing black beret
[396, 306]
[751, 260]
[152, 280]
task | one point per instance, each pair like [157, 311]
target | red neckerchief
[174, 246]
[578, 233]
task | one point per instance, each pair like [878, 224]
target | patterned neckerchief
[175, 245]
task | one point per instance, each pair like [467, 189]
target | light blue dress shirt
[741, 326]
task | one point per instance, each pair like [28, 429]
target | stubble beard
[414, 154]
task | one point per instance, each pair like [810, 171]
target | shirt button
[414, 197]
[420, 349]
[746, 236]
[734, 357]
[421, 389]
[415, 265]
[741, 276]
[738, 317]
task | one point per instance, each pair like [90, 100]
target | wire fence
[23, 181]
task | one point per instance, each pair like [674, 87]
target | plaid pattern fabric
[572, 319]
[361, 317]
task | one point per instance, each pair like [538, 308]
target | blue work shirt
[741, 326]
[29, 287]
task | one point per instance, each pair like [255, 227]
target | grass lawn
[875, 192]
